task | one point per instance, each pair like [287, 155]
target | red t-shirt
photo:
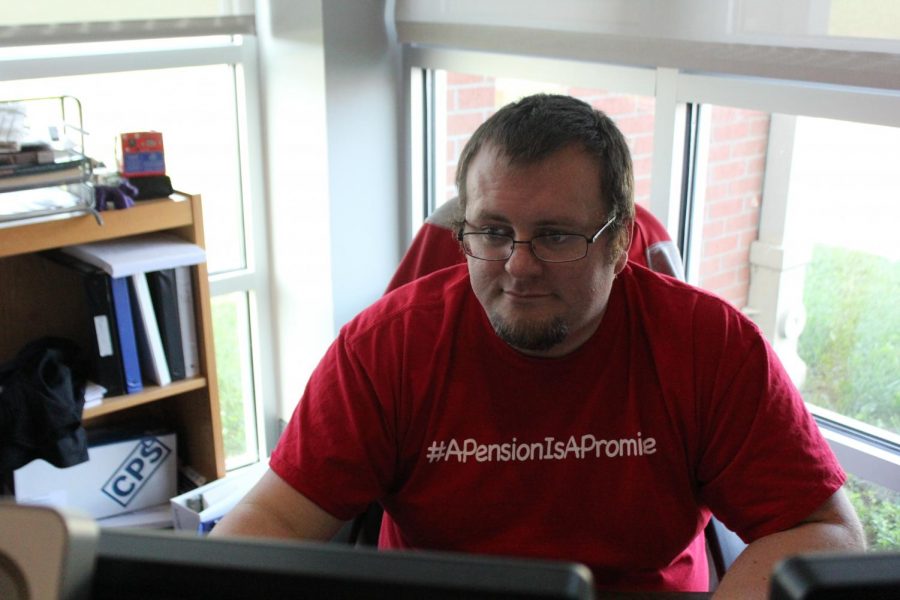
[612, 456]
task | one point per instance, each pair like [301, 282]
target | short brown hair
[535, 127]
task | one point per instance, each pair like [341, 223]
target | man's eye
[556, 239]
[497, 239]
[494, 231]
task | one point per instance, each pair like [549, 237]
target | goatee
[530, 336]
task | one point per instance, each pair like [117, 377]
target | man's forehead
[562, 187]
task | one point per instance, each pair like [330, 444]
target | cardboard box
[200, 509]
[141, 154]
[119, 477]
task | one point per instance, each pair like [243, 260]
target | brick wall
[737, 160]
[471, 99]
[736, 165]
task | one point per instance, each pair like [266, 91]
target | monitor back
[152, 565]
[873, 576]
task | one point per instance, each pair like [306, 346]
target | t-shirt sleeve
[335, 449]
[764, 465]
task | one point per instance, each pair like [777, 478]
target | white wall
[364, 102]
[331, 95]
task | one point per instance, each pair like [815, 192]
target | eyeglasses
[551, 247]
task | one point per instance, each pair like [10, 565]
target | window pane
[806, 245]
[195, 109]
[231, 329]
[828, 303]
[846, 177]
[470, 99]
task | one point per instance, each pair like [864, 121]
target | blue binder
[127, 342]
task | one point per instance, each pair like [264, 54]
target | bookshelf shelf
[145, 217]
[148, 395]
[33, 305]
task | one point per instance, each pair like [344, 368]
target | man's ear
[623, 244]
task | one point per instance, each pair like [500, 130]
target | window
[803, 243]
[192, 91]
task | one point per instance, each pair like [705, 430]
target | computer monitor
[872, 575]
[166, 565]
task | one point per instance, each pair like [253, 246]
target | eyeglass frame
[460, 235]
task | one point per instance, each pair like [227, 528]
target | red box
[141, 154]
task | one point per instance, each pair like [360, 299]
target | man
[550, 399]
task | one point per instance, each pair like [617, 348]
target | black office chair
[722, 546]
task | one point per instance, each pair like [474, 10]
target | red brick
[450, 192]
[756, 166]
[736, 260]
[455, 146]
[724, 115]
[709, 266]
[760, 127]
[736, 131]
[717, 282]
[736, 295]
[751, 147]
[719, 246]
[641, 145]
[716, 192]
[727, 171]
[454, 78]
[463, 123]
[747, 221]
[746, 186]
[642, 166]
[616, 105]
[587, 93]
[745, 238]
[642, 187]
[713, 228]
[635, 125]
[451, 174]
[646, 104]
[724, 208]
[476, 97]
[719, 153]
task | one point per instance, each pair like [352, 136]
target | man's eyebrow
[489, 216]
[541, 224]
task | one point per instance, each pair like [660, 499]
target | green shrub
[228, 368]
[879, 511]
[851, 346]
[851, 343]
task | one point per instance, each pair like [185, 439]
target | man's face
[540, 308]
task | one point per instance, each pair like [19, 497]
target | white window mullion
[668, 152]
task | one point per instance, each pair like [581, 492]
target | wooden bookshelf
[33, 305]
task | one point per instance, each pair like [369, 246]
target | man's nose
[522, 262]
